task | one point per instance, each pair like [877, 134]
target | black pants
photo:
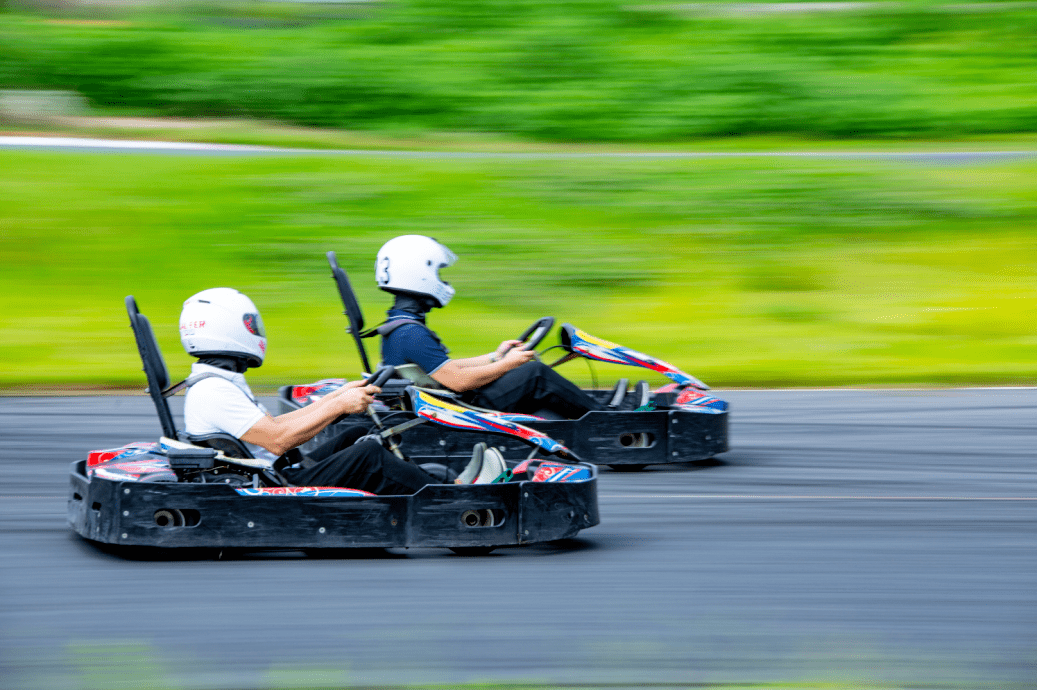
[532, 387]
[368, 466]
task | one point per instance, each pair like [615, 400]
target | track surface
[887, 537]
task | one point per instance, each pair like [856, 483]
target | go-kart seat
[417, 376]
[159, 389]
[230, 446]
[154, 366]
[351, 307]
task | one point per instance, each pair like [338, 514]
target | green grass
[578, 70]
[744, 272]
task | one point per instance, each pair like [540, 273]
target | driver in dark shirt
[508, 379]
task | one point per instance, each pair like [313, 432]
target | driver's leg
[532, 387]
[366, 466]
[342, 439]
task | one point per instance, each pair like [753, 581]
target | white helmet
[411, 263]
[222, 321]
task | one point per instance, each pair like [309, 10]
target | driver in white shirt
[222, 327]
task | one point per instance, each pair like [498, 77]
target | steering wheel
[536, 332]
[380, 377]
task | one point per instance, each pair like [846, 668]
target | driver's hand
[503, 347]
[356, 398]
[517, 357]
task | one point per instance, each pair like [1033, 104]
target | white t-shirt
[223, 404]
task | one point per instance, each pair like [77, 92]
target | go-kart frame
[622, 436]
[467, 519]
[139, 495]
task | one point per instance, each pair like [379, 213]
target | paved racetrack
[878, 537]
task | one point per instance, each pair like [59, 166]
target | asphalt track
[865, 538]
[93, 145]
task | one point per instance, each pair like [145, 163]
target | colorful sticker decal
[448, 414]
[130, 450]
[135, 462]
[604, 351]
[517, 417]
[307, 491]
[521, 467]
[311, 393]
[557, 472]
[154, 468]
[692, 400]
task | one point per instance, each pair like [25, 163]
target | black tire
[627, 468]
[472, 551]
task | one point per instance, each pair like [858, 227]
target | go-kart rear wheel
[471, 551]
[627, 468]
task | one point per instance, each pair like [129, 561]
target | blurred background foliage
[565, 70]
[749, 271]
[754, 271]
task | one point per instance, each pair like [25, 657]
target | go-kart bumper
[126, 513]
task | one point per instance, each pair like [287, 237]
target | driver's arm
[282, 433]
[458, 376]
[495, 356]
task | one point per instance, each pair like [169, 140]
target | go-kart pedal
[485, 467]
[621, 399]
[493, 466]
[642, 394]
[618, 393]
[471, 471]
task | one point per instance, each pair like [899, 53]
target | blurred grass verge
[116, 665]
[745, 272]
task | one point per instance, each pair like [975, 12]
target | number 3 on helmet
[414, 261]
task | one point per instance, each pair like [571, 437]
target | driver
[223, 329]
[508, 379]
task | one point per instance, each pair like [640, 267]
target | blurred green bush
[576, 70]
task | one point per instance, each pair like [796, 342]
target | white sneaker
[493, 466]
[470, 472]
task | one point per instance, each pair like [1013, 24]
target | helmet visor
[447, 260]
[440, 277]
[254, 324]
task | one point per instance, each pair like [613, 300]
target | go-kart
[679, 422]
[208, 491]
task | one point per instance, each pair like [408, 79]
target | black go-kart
[209, 492]
[679, 422]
